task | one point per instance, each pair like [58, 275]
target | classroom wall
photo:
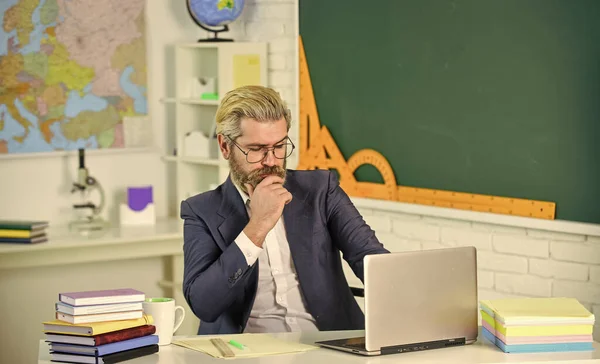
[38, 185]
[512, 261]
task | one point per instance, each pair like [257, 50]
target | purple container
[139, 197]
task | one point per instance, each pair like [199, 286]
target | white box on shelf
[203, 85]
[196, 144]
[139, 209]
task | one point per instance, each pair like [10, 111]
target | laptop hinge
[422, 346]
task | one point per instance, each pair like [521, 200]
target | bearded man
[262, 250]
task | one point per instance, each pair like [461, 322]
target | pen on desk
[236, 344]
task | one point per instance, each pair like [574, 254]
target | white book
[96, 309]
[113, 316]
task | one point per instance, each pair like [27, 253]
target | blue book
[106, 348]
[536, 348]
[33, 240]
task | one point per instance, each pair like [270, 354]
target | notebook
[255, 345]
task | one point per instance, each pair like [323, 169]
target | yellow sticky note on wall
[246, 70]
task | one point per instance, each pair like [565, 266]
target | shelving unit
[231, 65]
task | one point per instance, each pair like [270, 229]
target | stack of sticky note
[534, 325]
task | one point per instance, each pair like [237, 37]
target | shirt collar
[243, 194]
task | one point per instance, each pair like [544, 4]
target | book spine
[112, 316]
[130, 344]
[126, 334]
[129, 354]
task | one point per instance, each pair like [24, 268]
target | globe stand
[215, 32]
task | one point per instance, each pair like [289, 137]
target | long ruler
[318, 150]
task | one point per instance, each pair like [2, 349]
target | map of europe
[70, 71]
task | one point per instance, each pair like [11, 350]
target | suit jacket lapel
[233, 211]
[296, 216]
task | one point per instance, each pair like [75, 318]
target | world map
[70, 72]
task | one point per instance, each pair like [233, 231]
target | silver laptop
[417, 301]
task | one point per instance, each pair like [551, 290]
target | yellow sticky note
[246, 70]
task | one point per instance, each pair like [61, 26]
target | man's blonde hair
[260, 103]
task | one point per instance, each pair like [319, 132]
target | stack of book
[23, 231]
[106, 326]
[534, 325]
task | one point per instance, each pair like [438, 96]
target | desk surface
[481, 352]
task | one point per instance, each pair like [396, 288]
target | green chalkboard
[498, 97]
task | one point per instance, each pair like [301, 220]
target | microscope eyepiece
[81, 158]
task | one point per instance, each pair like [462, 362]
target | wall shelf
[230, 65]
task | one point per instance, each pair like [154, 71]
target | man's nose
[269, 159]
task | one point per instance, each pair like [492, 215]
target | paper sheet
[246, 70]
[256, 345]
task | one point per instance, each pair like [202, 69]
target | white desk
[149, 258]
[481, 352]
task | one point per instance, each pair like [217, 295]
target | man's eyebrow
[265, 145]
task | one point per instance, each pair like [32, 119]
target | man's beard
[253, 178]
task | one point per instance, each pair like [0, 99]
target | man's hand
[266, 206]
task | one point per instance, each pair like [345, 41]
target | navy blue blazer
[320, 221]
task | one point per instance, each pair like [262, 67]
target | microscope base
[89, 226]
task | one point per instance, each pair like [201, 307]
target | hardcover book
[111, 316]
[106, 359]
[121, 295]
[95, 309]
[94, 328]
[34, 240]
[22, 225]
[23, 234]
[105, 349]
[107, 338]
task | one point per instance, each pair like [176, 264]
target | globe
[215, 15]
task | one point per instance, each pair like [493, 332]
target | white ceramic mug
[163, 311]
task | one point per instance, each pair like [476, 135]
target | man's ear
[224, 146]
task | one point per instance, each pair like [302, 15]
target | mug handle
[180, 321]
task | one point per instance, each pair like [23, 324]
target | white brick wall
[595, 274]
[512, 261]
[381, 224]
[416, 230]
[485, 279]
[501, 262]
[455, 236]
[520, 245]
[562, 270]
[575, 252]
[523, 284]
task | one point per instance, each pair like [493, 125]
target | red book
[107, 338]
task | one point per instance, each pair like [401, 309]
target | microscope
[88, 214]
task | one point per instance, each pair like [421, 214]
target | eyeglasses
[280, 151]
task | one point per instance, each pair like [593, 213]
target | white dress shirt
[279, 305]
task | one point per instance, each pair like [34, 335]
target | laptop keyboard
[355, 343]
